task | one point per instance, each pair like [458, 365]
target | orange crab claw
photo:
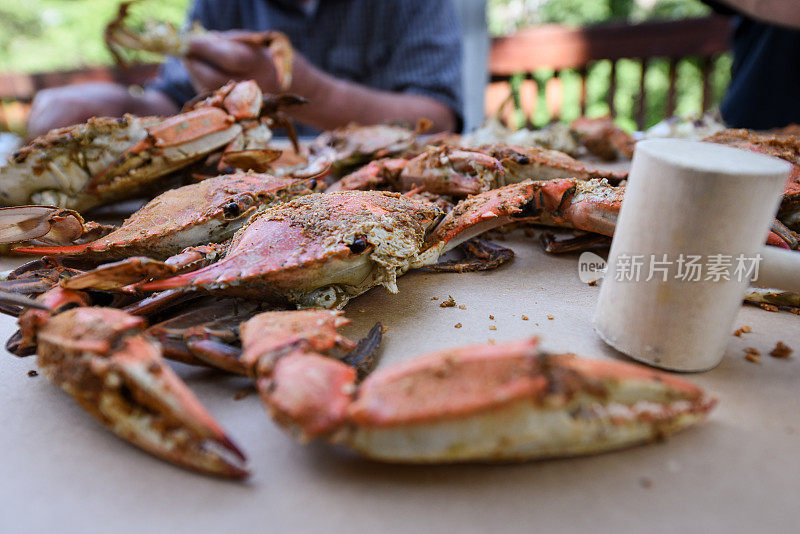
[103, 359]
[49, 223]
[489, 402]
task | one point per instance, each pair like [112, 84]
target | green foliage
[506, 16]
[45, 35]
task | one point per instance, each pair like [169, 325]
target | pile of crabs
[245, 256]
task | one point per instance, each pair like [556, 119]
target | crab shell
[319, 250]
[210, 211]
[479, 403]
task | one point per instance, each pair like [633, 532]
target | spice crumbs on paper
[524, 317]
[449, 303]
[550, 317]
[743, 330]
[32, 373]
[457, 325]
[491, 317]
[752, 355]
[781, 350]
[768, 307]
[492, 327]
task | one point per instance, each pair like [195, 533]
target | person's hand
[217, 58]
[64, 106]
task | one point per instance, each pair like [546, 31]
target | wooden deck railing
[563, 48]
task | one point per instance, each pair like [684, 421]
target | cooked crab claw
[47, 223]
[483, 403]
[112, 369]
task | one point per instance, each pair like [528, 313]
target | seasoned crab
[323, 249]
[438, 170]
[461, 172]
[530, 163]
[166, 39]
[603, 138]
[210, 211]
[354, 144]
[103, 160]
[479, 403]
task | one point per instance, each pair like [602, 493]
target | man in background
[765, 79]
[355, 60]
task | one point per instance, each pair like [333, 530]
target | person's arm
[214, 60]
[778, 12]
[72, 104]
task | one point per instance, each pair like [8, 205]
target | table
[738, 472]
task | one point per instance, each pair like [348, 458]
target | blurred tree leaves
[44, 35]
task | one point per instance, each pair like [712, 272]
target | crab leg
[492, 402]
[101, 357]
[591, 205]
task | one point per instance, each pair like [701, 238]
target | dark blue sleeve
[426, 55]
[173, 78]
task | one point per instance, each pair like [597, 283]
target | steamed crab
[321, 250]
[166, 39]
[354, 144]
[460, 172]
[87, 165]
[208, 211]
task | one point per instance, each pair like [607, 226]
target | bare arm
[779, 12]
[72, 104]
[333, 102]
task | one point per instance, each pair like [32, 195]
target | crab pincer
[105, 361]
[482, 403]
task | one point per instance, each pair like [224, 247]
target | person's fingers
[206, 77]
[225, 54]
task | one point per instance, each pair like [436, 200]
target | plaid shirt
[409, 46]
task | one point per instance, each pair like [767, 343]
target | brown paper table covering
[61, 472]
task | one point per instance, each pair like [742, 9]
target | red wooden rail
[559, 47]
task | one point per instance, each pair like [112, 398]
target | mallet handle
[779, 269]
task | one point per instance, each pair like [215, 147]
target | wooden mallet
[689, 238]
